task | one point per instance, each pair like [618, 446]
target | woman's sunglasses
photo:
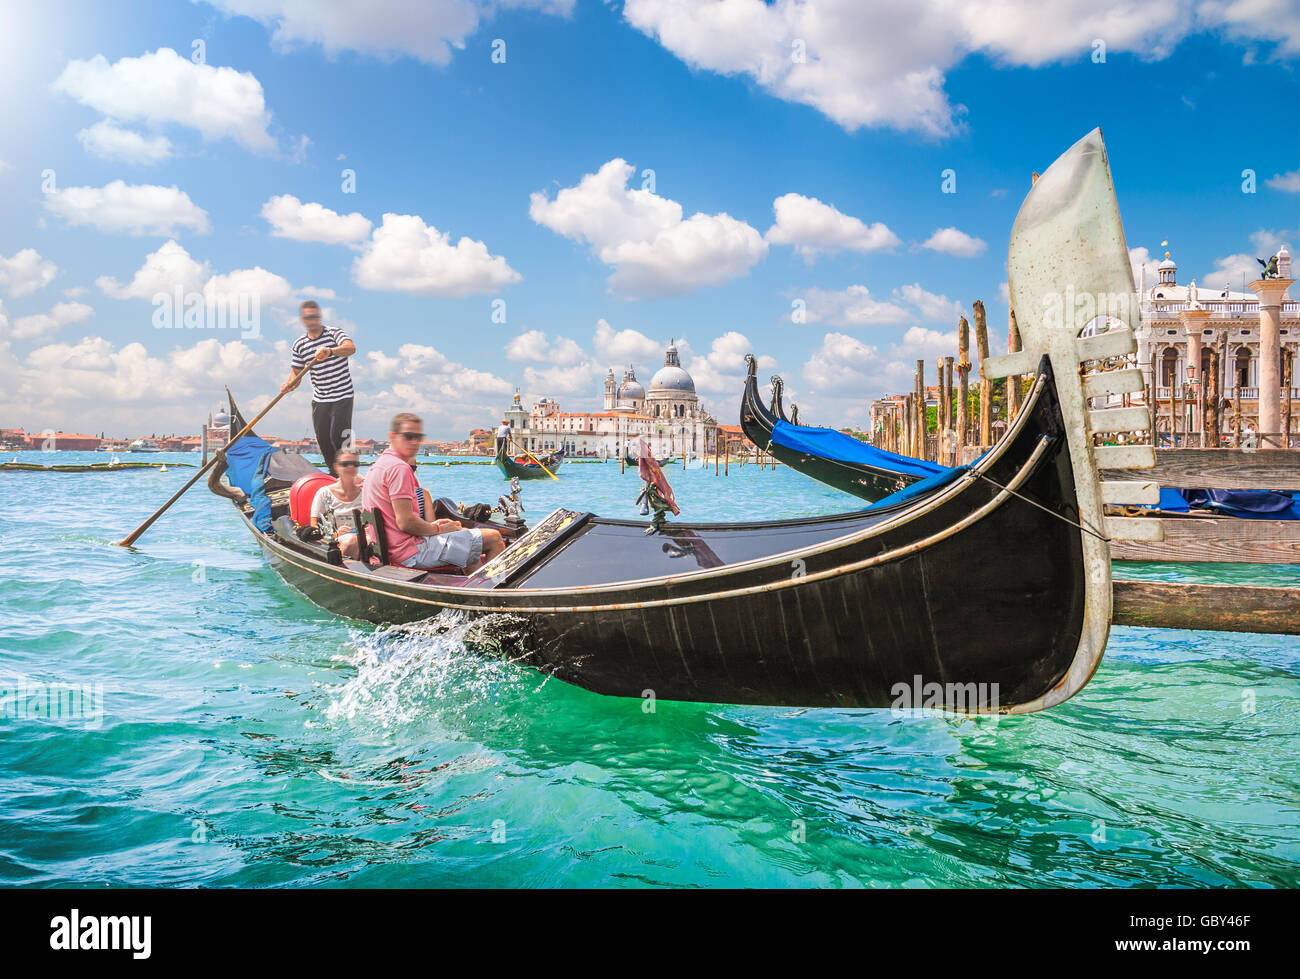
[347, 465]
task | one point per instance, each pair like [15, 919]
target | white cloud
[856, 307]
[721, 371]
[425, 29]
[930, 306]
[161, 88]
[25, 272]
[171, 267]
[653, 251]
[1141, 261]
[406, 255]
[1289, 182]
[955, 242]
[451, 397]
[109, 141]
[1229, 271]
[625, 346]
[581, 380]
[135, 209]
[533, 346]
[163, 271]
[921, 344]
[39, 324]
[291, 218]
[812, 227]
[884, 64]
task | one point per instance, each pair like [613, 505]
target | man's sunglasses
[308, 319]
[347, 465]
[411, 436]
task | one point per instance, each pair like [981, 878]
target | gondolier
[326, 349]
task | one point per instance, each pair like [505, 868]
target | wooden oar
[217, 457]
[534, 458]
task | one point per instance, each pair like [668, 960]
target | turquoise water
[241, 736]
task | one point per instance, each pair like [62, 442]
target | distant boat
[524, 467]
[140, 445]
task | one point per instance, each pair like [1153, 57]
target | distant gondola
[826, 455]
[983, 588]
[526, 469]
[633, 460]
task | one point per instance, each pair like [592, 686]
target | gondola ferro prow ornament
[1068, 268]
[656, 495]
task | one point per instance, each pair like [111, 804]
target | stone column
[1194, 321]
[1271, 293]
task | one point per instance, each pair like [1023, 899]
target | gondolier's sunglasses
[411, 436]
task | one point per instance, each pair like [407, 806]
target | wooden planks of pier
[1235, 540]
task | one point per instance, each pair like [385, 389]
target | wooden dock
[1205, 537]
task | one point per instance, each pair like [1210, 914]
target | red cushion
[303, 493]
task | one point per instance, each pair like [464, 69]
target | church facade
[669, 415]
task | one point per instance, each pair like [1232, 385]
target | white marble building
[669, 415]
[1179, 323]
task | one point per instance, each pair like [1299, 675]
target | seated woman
[331, 510]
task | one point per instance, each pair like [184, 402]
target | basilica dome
[672, 377]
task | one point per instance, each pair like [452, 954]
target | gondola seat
[303, 493]
[373, 546]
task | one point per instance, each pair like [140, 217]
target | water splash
[417, 673]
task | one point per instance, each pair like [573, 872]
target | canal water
[215, 728]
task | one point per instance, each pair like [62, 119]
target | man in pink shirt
[414, 543]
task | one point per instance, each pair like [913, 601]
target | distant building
[669, 415]
[63, 441]
[1180, 323]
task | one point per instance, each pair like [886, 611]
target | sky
[525, 193]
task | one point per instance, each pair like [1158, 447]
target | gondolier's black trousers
[333, 423]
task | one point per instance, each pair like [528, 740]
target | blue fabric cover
[826, 443]
[1250, 504]
[246, 466]
[922, 487]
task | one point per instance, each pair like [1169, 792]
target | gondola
[632, 459]
[527, 469]
[826, 455]
[984, 588]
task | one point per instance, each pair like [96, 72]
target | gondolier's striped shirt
[331, 380]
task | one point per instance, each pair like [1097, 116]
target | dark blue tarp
[246, 466]
[826, 443]
[1249, 504]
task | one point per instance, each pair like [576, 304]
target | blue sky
[127, 168]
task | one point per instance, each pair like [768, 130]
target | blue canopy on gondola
[827, 443]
